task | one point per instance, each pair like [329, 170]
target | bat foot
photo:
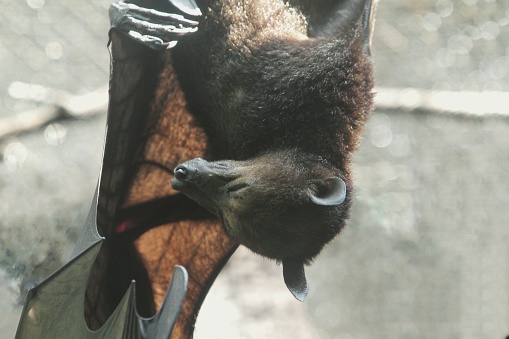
[156, 29]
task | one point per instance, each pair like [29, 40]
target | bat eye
[236, 187]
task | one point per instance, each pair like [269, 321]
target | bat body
[282, 91]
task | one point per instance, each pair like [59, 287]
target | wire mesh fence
[425, 253]
[444, 45]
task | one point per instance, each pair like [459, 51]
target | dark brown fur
[289, 104]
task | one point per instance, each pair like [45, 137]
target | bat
[282, 90]
[168, 105]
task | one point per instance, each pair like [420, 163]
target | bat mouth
[177, 184]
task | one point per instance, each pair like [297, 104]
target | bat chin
[178, 185]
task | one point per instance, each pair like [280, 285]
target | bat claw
[152, 41]
[155, 29]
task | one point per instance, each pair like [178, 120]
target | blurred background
[425, 254]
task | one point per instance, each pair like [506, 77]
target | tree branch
[57, 104]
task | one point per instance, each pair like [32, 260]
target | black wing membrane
[54, 308]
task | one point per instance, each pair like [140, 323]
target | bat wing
[140, 234]
[54, 308]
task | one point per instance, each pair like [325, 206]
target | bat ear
[295, 278]
[331, 192]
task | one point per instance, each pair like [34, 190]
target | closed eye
[236, 187]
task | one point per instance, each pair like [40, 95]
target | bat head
[283, 205]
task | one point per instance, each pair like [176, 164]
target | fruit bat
[282, 90]
[274, 94]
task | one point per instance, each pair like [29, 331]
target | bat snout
[181, 172]
[183, 175]
[189, 173]
[190, 170]
[201, 181]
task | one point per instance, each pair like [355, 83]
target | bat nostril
[180, 172]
